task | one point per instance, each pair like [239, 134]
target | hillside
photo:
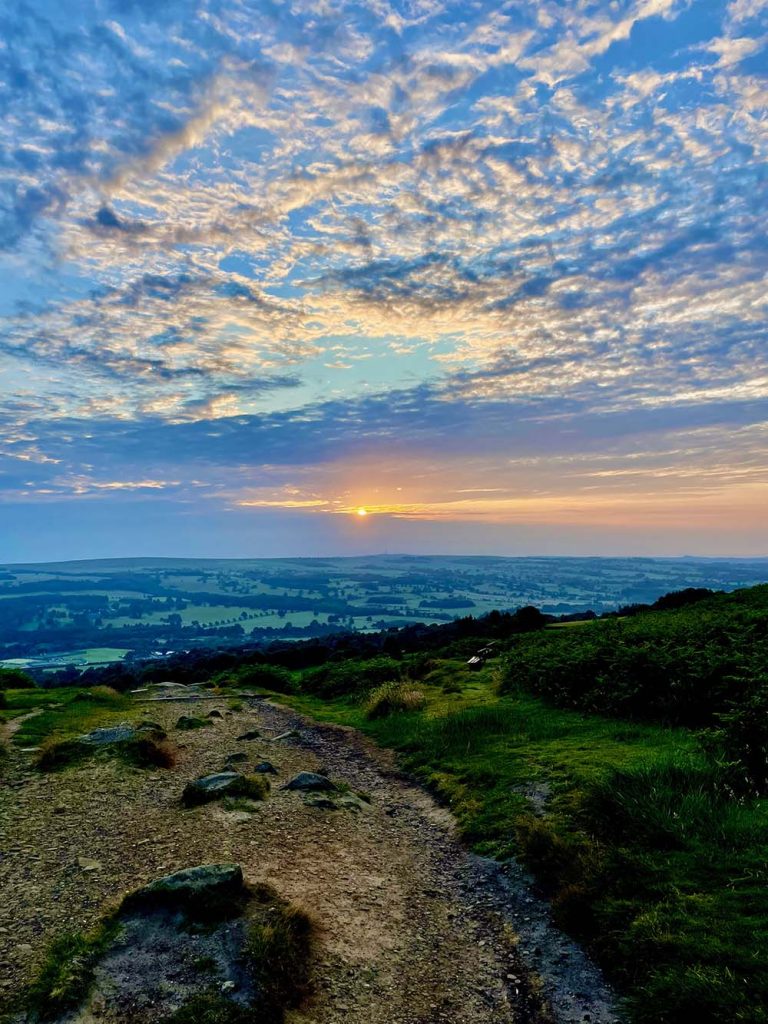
[94, 612]
[622, 761]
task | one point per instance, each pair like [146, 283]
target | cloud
[300, 229]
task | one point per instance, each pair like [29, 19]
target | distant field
[89, 612]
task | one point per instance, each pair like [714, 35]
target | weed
[104, 695]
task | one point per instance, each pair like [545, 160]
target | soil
[412, 928]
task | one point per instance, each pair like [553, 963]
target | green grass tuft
[66, 975]
[212, 1008]
[278, 952]
[393, 697]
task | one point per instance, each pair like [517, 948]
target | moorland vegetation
[623, 760]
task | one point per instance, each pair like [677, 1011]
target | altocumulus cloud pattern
[456, 262]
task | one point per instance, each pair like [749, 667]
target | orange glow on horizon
[362, 512]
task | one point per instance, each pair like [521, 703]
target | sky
[494, 273]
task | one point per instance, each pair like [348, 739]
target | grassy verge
[646, 856]
[64, 712]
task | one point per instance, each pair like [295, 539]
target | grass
[66, 975]
[647, 856]
[238, 803]
[147, 750]
[211, 1008]
[65, 712]
[69, 712]
[392, 697]
[276, 956]
[278, 952]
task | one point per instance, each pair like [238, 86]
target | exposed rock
[87, 864]
[290, 734]
[266, 768]
[221, 784]
[214, 714]
[335, 802]
[310, 782]
[189, 722]
[206, 885]
[237, 758]
[101, 737]
[252, 734]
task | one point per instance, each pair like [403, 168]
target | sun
[362, 512]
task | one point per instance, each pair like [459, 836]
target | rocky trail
[413, 929]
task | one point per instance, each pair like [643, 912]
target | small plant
[187, 723]
[277, 951]
[67, 972]
[392, 697]
[211, 1008]
[238, 803]
[101, 695]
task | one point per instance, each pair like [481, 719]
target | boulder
[201, 889]
[214, 714]
[237, 758]
[266, 768]
[335, 801]
[221, 784]
[311, 782]
[252, 734]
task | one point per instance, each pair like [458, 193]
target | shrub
[392, 697]
[15, 679]
[335, 679]
[101, 695]
[264, 676]
[678, 666]
[740, 742]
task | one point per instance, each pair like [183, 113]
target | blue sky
[495, 272]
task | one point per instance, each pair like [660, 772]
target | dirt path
[414, 930]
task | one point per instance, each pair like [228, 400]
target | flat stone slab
[115, 734]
